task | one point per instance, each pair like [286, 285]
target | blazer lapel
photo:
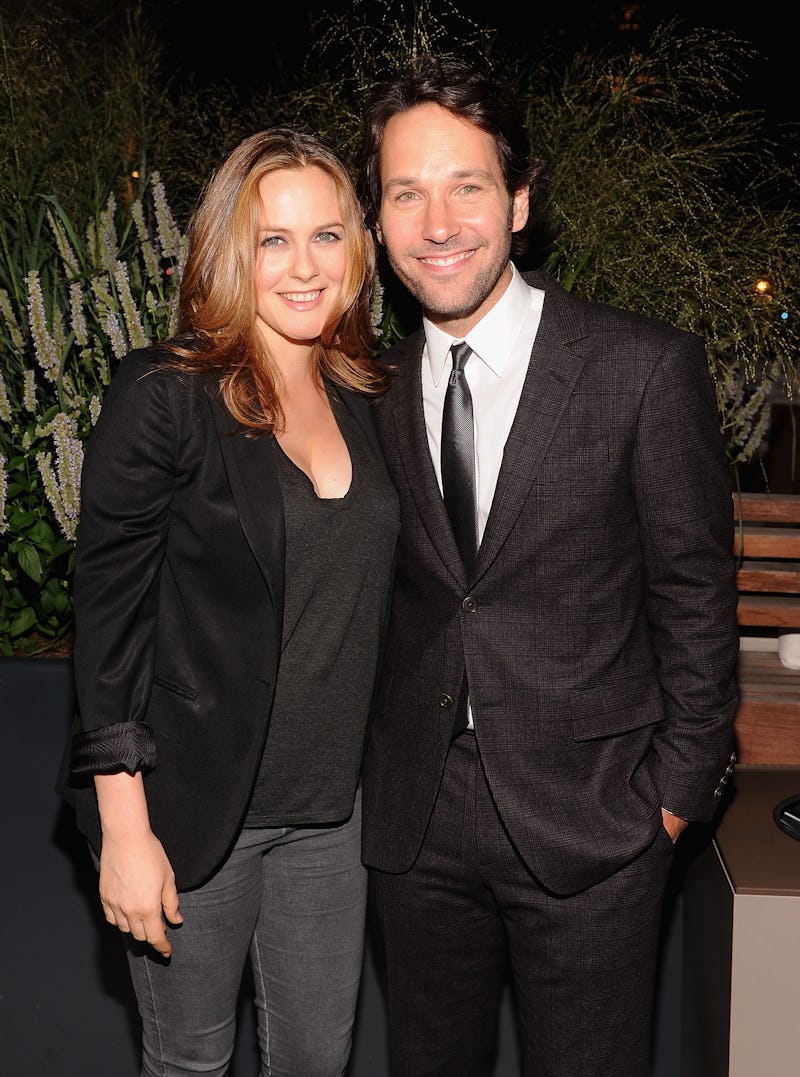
[257, 493]
[359, 407]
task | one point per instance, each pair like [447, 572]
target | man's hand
[673, 824]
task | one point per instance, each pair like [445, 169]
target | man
[594, 628]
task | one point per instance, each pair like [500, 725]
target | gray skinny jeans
[295, 900]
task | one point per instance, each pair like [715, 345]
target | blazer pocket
[176, 689]
[616, 707]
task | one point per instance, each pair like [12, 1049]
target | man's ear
[379, 233]
[520, 209]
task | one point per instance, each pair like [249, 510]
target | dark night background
[258, 45]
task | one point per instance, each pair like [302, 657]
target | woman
[232, 576]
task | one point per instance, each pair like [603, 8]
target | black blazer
[178, 591]
[598, 627]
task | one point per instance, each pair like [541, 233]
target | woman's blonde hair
[217, 301]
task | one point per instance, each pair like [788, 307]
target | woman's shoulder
[149, 386]
[155, 369]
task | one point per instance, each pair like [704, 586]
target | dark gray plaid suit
[598, 630]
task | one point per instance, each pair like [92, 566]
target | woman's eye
[328, 237]
[271, 241]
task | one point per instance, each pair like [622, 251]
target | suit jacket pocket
[616, 706]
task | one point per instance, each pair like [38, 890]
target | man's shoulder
[598, 316]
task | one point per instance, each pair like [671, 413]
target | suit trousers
[294, 900]
[450, 932]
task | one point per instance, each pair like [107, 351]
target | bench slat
[768, 611]
[777, 542]
[783, 577]
[774, 508]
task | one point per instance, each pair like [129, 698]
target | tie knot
[460, 353]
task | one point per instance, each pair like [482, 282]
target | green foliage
[70, 308]
[667, 197]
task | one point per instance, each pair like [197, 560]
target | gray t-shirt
[338, 560]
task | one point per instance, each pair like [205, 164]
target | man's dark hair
[481, 98]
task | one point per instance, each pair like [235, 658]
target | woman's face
[300, 265]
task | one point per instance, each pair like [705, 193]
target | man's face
[446, 217]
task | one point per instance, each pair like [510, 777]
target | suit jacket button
[445, 700]
[469, 604]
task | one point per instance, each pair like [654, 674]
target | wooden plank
[765, 611]
[776, 576]
[773, 508]
[772, 542]
[767, 733]
[767, 723]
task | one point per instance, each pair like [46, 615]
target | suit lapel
[411, 438]
[553, 371]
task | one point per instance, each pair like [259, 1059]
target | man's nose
[441, 222]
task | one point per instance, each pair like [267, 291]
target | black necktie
[458, 481]
[458, 457]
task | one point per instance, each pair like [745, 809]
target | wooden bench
[767, 548]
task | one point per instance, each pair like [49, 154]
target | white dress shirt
[501, 343]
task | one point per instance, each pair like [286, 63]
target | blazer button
[469, 604]
[445, 701]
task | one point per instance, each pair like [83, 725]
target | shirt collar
[492, 339]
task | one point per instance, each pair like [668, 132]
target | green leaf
[30, 562]
[22, 623]
[42, 535]
[18, 521]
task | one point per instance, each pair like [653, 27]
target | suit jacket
[598, 627]
[178, 590]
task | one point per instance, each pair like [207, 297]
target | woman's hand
[137, 883]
